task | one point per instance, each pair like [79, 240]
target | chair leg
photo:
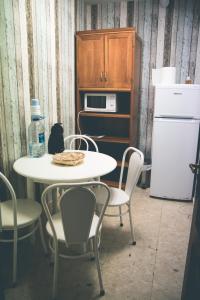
[42, 237]
[133, 242]
[120, 215]
[102, 292]
[55, 271]
[15, 258]
[92, 257]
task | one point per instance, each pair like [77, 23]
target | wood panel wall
[170, 37]
[36, 61]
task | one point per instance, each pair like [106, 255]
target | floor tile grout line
[156, 251]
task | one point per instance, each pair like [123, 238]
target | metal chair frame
[136, 160]
[89, 189]
[15, 227]
[86, 139]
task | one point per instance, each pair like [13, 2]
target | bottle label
[36, 138]
[41, 138]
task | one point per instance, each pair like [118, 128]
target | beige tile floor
[151, 270]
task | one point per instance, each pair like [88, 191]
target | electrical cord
[78, 126]
[78, 121]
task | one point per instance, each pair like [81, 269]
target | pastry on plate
[68, 158]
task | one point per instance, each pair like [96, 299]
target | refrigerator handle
[195, 168]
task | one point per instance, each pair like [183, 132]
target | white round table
[43, 170]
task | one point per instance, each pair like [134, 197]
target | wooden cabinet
[108, 61]
[118, 59]
[90, 60]
[104, 59]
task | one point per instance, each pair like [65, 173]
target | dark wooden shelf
[112, 131]
[104, 115]
[113, 183]
[104, 89]
[119, 163]
[111, 139]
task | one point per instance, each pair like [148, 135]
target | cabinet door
[118, 60]
[90, 60]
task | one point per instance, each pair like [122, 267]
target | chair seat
[28, 211]
[57, 222]
[117, 197]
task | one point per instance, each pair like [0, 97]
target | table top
[43, 170]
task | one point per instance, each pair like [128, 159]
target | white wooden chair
[17, 214]
[122, 198]
[76, 223]
[88, 141]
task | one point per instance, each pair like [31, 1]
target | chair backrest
[77, 207]
[9, 187]
[71, 139]
[135, 166]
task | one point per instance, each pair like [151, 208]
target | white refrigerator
[174, 140]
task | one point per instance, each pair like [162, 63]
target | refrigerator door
[177, 101]
[174, 147]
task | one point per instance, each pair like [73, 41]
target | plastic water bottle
[35, 109]
[36, 131]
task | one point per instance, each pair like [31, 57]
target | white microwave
[100, 102]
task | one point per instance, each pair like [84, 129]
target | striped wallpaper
[36, 61]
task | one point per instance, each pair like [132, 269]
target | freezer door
[177, 101]
[174, 147]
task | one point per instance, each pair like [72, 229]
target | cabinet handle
[105, 76]
[101, 76]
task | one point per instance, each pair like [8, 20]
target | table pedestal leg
[30, 189]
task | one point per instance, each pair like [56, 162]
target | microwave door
[96, 102]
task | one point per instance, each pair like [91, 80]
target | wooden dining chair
[15, 216]
[87, 141]
[76, 223]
